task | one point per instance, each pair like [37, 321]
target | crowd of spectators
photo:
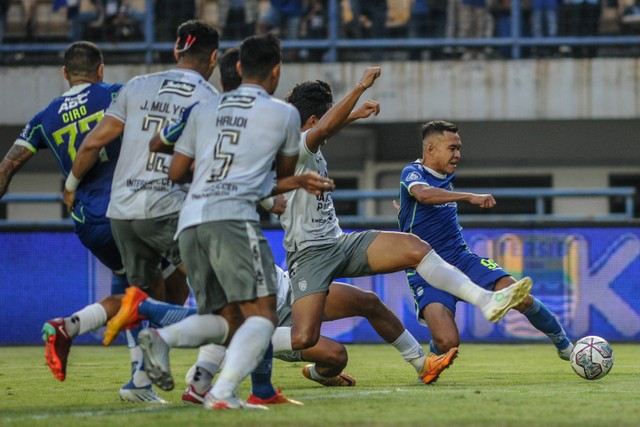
[468, 20]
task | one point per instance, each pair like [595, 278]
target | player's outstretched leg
[435, 364]
[155, 353]
[127, 315]
[545, 321]
[57, 344]
[500, 302]
[341, 380]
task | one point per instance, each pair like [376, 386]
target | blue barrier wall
[589, 277]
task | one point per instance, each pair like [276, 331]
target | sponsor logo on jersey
[177, 88]
[71, 102]
[237, 101]
[413, 176]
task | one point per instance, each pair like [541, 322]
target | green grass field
[489, 385]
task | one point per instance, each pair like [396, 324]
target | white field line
[159, 407]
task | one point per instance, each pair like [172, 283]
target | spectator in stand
[169, 14]
[284, 17]
[580, 18]
[105, 17]
[544, 21]
[473, 22]
[29, 18]
[369, 20]
[418, 25]
[451, 24]
[237, 18]
[428, 20]
[314, 27]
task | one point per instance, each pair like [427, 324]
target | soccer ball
[592, 357]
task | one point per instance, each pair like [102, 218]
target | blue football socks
[433, 349]
[261, 376]
[119, 284]
[542, 319]
[162, 314]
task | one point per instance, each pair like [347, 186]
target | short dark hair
[438, 127]
[259, 54]
[228, 73]
[197, 39]
[312, 98]
[82, 58]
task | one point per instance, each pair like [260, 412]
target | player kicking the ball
[318, 251]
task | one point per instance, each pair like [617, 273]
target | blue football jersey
[61, 127]
[436, 224]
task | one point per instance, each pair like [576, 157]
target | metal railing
[540, 195]
[333, 43]
[363, 197]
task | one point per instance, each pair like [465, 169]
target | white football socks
[444, 276]
[281, 339]
[244, 353]
[410, 350]
[86, 320]
[315, 375]
[139, 375]
[210, 357]
[196, 330]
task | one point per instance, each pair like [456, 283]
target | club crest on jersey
[177, 88]
[237, 101]
[413, 176]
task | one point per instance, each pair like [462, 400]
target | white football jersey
[309, 220]
[234, 139]
[141, 188]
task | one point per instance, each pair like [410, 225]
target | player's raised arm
[16, 157]
[329, 123]
[106, 131]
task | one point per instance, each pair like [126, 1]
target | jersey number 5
[222, 160]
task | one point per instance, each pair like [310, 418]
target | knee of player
[338, 357]
[416, 248]
[370, 303]
[446, 342]
[301, 339]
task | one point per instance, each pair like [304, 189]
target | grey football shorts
[312, 269]
[227, 261]
[143, 243]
